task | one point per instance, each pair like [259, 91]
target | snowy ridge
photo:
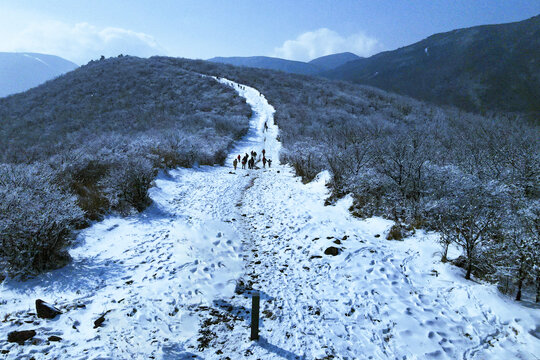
[175, 281]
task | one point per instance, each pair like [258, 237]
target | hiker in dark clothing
[264, 161]
[265, 126]
[235, 163]
[269, 161]
[264, 152]
[244, 161]
[252, 163]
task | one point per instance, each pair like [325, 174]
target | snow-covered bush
[82, 176]
[36, 220]
[306, 160]
[467, 211]
[127, 183]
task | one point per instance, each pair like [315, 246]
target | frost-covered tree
[467, 212]
[521, 247]
[402, 158]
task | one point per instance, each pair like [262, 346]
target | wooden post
[255, 302]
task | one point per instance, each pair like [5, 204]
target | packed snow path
[175, 281]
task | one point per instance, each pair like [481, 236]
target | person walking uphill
[235, 163]
[245, 161]
[264, 161]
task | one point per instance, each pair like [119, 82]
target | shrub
[395, 233]
[127, 184]
[36, 220]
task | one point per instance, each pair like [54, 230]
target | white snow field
[175, 281]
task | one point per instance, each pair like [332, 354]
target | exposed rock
[377, 235]
[21, 336]
[337, 242]
[332, 250]
[54, 338]
[99, 321]
[45, 310]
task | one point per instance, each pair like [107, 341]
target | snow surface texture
[175, 281]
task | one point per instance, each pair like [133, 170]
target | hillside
[121, 96]
[333, 61]
[91, 142]
[483, 68]
[22, 71]
[265, 62]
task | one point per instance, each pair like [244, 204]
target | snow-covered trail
[377, 299]
[175, 281]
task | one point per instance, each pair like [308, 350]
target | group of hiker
[250, 161]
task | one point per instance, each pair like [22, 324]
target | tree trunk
[520, 285]
[469, 254]
[469, 270]
[537, 288]
[444, 257]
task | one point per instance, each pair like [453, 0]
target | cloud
[80, 42]
[313, 44]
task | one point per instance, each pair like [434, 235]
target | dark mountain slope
[333, 61]
[127, 96]
[22, 71]
[264, 62]
[483, 68]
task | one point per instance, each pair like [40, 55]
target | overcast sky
[299, 30]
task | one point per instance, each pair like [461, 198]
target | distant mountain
[329, 62]
[314, 67]
[22, 71]
[265, 62]
[490, 67]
